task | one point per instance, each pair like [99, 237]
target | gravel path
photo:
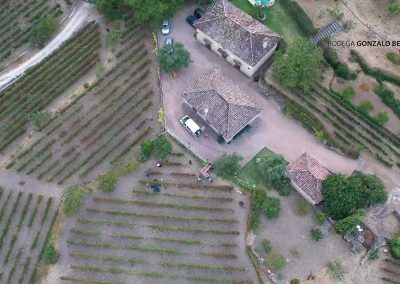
[76, 20]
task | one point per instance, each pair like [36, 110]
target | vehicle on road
[169, 42]
[166, 27]
[191, 126]
[242, 204]
[191, 20]
[198, 13]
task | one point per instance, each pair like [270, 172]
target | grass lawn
[278, 19]
[250, 173]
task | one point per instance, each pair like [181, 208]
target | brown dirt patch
[364, 87]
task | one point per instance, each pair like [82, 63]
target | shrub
[336, 270]
[228, 166]
[271, 207]
[365, 106]
[275, 260]
[257, 199]
[267, 246]
[73, 199]
[393, 57]
[40, 119]
[349, 223]
[50, 254]
[146, 148]
[395, 247]
[348, 93]
[295, 281]
[161, 147]
[320, 217]
[382, 118]
[107, 182]
[114, 35]
[316, 234]
[394, 9]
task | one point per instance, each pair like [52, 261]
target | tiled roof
[221, 102]
[237, 32]
[308, 174]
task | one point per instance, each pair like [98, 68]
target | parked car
[190, 125]
[169, 42]
[191, 20]
[166, 26]
[198, 13]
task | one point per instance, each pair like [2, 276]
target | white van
[190, 125]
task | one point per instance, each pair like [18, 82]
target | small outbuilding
[306, 175]
[231, 33]
[221, 104]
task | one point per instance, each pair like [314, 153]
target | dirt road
[76, 20]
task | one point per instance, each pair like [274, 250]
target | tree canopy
[42, 31]
[228, 166]
[299, 66]
[173, 60]
[343, 195]
[272, 166]
[142, 13]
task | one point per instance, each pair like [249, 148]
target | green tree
[316, 234]
[267, 246]
[299, 66]
[275, 260]
[343, 195]
[161, 147]
[73, 199]
[295, 281]
[349, 223]
[111, 9]
[228, 166]
[173, 60]
[50, 254]
[271, 207]
[153, 12]
[365, 106]
[107, 182]
[395, 247]
[272, 166]
[42, 31]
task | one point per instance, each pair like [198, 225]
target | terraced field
[101, 125]
[25, 222]
[44, 82]
[188, 233]
[17, 19]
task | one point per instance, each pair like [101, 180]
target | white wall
[244, 68]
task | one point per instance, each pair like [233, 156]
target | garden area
[22, 22]
[101, 125]
[190, 231]
[26, 220]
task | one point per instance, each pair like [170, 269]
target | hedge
[301, 17]
[379, 74]
[388, 98]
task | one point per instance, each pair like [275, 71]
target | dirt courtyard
[369, 19]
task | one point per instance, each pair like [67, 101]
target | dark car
[198, 13]
[191, 20]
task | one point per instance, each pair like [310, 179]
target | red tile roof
[308, 174]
